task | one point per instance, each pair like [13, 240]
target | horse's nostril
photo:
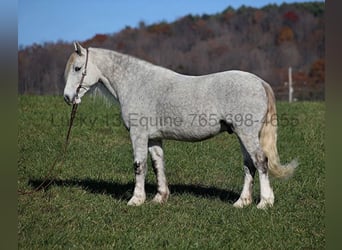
[67, 99]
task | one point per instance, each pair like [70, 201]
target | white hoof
[242, 202]
[136, 201]
[265, 203]
[161, 198]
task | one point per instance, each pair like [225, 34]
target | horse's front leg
[139, 143]
[157, 155]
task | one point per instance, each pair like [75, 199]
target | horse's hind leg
[157, 155]
[253, 147]
[249, 168]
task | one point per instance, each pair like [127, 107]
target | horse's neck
[122, 72]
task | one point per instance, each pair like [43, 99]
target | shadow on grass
[125, 190]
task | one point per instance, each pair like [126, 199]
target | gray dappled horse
[157, 103]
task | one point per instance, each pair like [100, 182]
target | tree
[263, 41]
[317, 71]
[285, 35]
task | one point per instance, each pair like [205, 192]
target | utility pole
[290, 85]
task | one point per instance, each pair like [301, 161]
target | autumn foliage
[264, 41]
[285, 35]
[160, 29]
[291, 16]
[317, 72]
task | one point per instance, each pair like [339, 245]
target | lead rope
[62, 156]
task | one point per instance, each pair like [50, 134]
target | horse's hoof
[265, 203]
[242, 202]
[135, 201]
[161, 198]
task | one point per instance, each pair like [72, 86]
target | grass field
[85, 208]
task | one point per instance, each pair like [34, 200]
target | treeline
[264, 41]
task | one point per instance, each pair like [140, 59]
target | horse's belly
[188, 133]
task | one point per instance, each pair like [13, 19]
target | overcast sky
[42, 21]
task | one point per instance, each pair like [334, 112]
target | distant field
[86, 205]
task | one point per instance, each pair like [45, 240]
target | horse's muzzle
[67, 99]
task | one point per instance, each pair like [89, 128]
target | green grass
[86, 205]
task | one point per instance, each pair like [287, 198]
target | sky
[42, 21]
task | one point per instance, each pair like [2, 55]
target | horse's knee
[139, 167]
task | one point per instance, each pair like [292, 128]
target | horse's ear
[78, 48]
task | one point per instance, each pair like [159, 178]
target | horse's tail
[268, 140]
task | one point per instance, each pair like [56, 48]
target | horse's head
[80, 75]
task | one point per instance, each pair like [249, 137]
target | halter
[84, 73]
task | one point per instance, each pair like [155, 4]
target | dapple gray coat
[157, 103]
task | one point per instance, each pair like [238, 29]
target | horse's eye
[77, 69]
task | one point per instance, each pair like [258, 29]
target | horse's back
[229, 91]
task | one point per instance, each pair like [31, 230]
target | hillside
[85, 207]
[264, 41]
